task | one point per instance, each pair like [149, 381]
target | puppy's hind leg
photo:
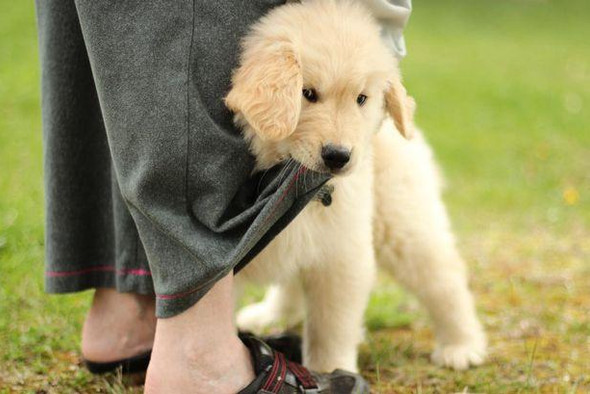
[282, 306]
[414, 241]
[429, 265]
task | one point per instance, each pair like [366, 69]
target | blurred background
[503, 90]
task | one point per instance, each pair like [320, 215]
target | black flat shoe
[128, 366]
[277, 375]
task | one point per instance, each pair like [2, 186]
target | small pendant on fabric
[325, 195]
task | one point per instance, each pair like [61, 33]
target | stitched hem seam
[100, 268]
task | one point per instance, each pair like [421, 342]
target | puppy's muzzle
[335, 157]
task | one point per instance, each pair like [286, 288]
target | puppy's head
[314, 82]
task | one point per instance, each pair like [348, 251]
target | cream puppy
[316, 85]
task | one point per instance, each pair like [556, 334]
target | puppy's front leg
[337, 294]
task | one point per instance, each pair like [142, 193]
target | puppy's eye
[310, 95]
[360, 100]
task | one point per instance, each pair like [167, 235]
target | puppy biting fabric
[148, 183]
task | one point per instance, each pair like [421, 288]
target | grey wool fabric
[149, 187]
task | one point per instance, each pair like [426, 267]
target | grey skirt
[148, 185]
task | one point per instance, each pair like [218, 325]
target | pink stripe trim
[177, 295]
[137, 272]
[189, 292]
[100, 268]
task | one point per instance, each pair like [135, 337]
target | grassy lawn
[503, 89]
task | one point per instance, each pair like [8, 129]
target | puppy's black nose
[335, 157]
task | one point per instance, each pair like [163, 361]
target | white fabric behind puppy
[393, 16]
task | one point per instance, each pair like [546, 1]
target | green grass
[503, 89]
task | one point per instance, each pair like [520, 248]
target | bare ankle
[118, 325]
[220, 367]
[198, 350]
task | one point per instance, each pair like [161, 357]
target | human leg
[91, 240]
[198, 351]
[118, 326]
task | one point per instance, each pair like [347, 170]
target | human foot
[198, 351]
[179, 367]
[118, 326]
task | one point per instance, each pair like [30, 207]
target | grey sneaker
[275, 374]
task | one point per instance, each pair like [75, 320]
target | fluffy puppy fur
[386, 208]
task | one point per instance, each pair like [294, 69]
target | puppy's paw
[257, 318]
[460, 356]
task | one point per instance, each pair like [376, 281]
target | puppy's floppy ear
[400, 107]
[266, 89]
